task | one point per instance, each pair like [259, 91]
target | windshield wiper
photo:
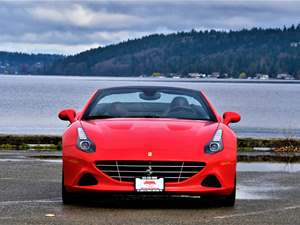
[144, 116]
[187, 118]
[100, 117]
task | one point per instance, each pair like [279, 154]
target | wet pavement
[267, 193]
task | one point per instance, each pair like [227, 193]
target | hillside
[20, 63]
[267, 51]
[247, 52]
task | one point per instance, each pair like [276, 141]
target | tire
[228, 201]
[67, 197]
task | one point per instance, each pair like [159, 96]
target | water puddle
[15, 160]
[261, 191]
[264, 186]
[268, 167]
[52, 160]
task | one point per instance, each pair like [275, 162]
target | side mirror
[68, 114]
[231, 117]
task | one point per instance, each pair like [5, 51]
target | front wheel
[67, 197]
[228, 201]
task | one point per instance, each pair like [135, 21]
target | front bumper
[220, 165]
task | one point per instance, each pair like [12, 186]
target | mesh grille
[171, 171]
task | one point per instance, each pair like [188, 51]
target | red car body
[149, 140]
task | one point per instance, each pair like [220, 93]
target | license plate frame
[149, 184]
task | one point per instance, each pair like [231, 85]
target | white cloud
[45, 48]
[72, 42]
[69, 26]
[80, 16]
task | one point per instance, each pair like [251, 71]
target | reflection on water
[259, 191]
[262, 186]
[268, 167]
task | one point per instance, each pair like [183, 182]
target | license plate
[149, 184]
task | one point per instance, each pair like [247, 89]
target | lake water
[30, 104]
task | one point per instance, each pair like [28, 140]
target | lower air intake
[87, 180]
[211, 181]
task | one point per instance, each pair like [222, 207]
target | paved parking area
[30, 194]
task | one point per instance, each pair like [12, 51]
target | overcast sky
[69, 27]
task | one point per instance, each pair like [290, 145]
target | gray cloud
[69, 27]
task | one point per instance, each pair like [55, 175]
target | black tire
[67, 197]
[228, 201]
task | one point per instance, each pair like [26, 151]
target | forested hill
[247, 52]
[21, 63]
[267, 51]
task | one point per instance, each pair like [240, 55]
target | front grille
[171, 171]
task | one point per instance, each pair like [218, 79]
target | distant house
[262, 76]
[226, 75]
[295, 44]
[214, 75]
[285, 76]
[197, 75]
[175, 75]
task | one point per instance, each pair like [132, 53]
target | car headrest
[117, 109]
[179, 102]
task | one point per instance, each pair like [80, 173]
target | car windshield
[148, 102]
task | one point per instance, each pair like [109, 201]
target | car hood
[149, 139]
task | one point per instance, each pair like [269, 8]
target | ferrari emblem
[149, 171]
[150, 154]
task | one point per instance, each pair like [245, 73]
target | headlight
[216, 144]
[83, 142]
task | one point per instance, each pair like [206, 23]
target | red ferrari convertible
[148, 139]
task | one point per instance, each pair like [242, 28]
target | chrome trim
[118, 170]
[172, 171]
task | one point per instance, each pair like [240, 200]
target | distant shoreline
[151, 79]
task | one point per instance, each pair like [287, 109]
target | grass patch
[29, 139]
[7, 147]
[245, 149]
[32, 142]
